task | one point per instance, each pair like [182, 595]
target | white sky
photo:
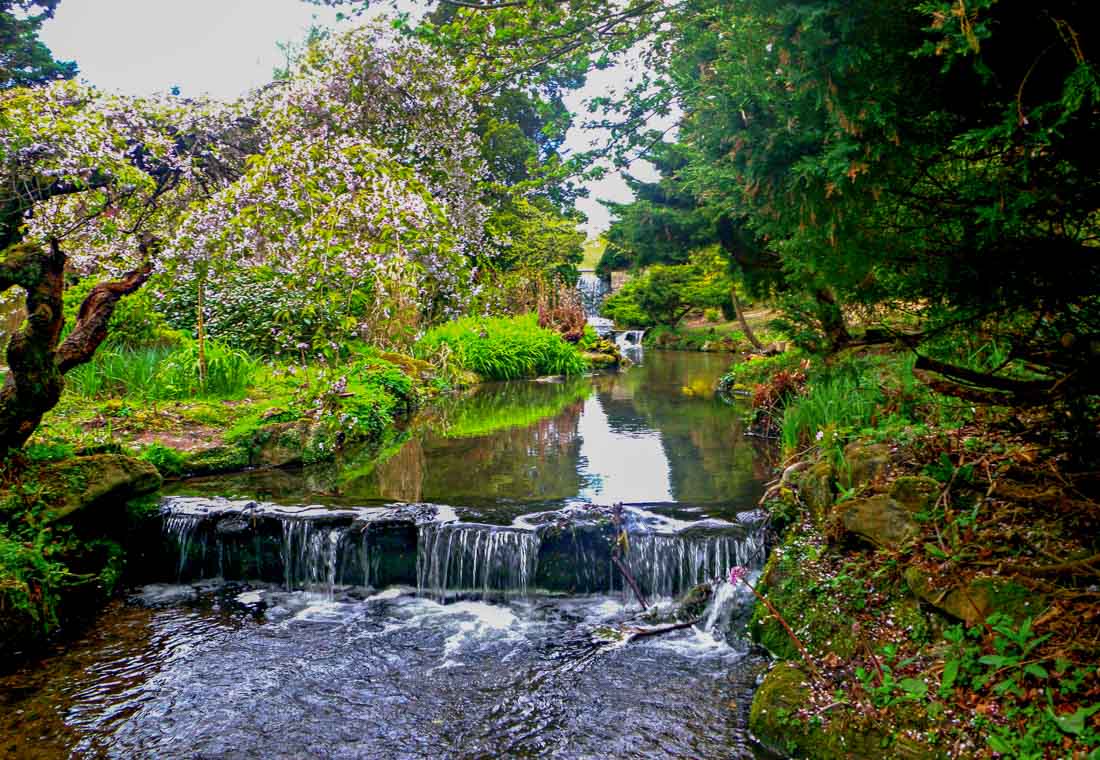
[223, 48]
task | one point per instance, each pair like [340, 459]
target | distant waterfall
[593, 290]
[628, 339]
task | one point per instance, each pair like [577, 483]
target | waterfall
[479, 559]
[320, 549]
[669, 565]
[719, 613]
[628, 339]
[312, 553]
[593, 290]
[181, 530]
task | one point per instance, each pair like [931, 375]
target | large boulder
[839, 733]
[916, 493]
[864, 463]
[71, 485]
[878, 519]
[974, 600]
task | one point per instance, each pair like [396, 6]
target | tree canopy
[926, 165]
[24, 59]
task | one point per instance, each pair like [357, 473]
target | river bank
[934, 592]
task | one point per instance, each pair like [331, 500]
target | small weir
[566, 551]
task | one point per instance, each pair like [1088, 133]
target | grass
[828, 403]
[164, 373]
[501, 348]
[593, 251]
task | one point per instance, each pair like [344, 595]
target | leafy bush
[167, 460]
[252, 310]
[623, 308]
[502, 348]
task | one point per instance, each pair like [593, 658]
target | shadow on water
[654, 434]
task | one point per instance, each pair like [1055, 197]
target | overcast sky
[223, 48]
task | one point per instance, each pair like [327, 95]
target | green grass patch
[164, 373]
[501, 348]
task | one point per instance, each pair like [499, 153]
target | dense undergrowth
[939, 565]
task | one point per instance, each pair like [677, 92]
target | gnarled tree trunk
[37, 357]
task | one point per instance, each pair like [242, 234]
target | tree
[294, 178]
[924, 160]
[24, 60]
[664, 294]
[101, 175]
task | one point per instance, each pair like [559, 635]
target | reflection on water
[654, 433]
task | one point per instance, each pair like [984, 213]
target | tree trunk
[832, 320]
[742, 321]
[37, 359]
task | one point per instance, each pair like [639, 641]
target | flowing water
[454, 596]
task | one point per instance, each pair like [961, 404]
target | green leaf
[914, 687]
[1036, 670]
[935, 551]
[950, 673]
[1075, 723]
[997, 660]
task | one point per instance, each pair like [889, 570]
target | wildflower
[737, 574]
[820, 435]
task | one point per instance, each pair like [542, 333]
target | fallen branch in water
[637, 633]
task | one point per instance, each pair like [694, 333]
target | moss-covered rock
[73, 484]
[808, 609]
[864, 463]
[279, 444]
[600, 361]
[816, 487]
[977, 599]
[225, 458]
[877, 519]
[839, 734]
[916, 493]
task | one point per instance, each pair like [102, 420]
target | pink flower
[737, 574]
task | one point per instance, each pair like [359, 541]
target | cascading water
[668, 565]
[312, 554]
[479, 559]
[567, 551]
[180, 530]
[593, 290]
[629, 339]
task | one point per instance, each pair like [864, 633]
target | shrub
[502, 348]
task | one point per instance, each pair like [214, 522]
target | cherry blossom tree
[359, 168]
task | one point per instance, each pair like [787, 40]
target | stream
[454, 596]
